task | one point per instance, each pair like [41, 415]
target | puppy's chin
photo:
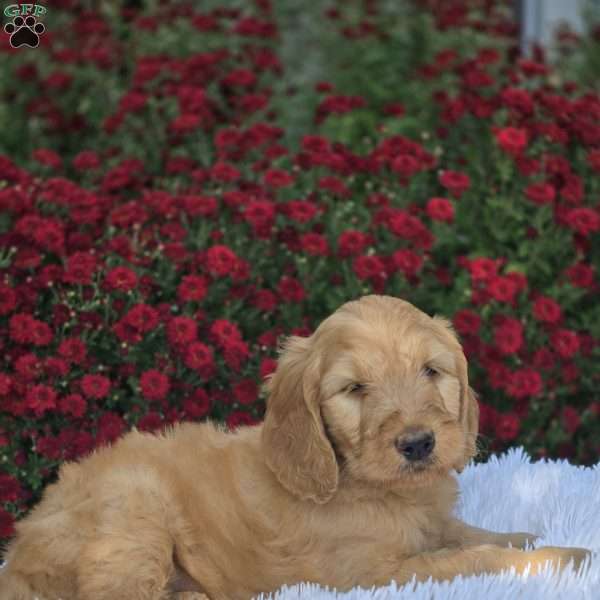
[396, 473]
[423, 472]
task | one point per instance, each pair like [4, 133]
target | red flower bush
[170, 208]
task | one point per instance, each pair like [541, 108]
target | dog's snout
[416, 446]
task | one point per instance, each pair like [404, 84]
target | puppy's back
[144, 473]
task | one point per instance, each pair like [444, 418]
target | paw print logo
[24, 32]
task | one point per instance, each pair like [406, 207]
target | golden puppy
[348, 482]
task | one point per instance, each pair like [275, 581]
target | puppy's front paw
[521, 539]
[561, 557]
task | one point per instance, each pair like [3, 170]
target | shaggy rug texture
[553, 499]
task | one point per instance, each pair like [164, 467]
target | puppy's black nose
[416, 446]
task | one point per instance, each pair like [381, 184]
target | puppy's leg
[131, 557]
[14, 587]
[458, 533]
[41, 557]
[448, 563]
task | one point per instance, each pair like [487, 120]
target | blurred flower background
[183, 183]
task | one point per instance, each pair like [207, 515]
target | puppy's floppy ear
[294, 441]
[469, 416]
[470, 422]
[469, 408]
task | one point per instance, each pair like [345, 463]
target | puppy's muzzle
[415, 446]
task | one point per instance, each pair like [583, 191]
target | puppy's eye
[356, 388]
[430, 372]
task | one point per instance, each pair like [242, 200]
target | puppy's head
[380, 389]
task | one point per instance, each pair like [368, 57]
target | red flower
[73, 350]
[570, 419]
[86, 160]
[223, 331]
[240, 77]
[290, 289]
[7, 524]
[181, 330]
[235, 354]
[6, 384]
[8, 299]
[367, 267]
[239, 418]
[540, 193]
[593, 159]
[300, 211]
[220, 260]
[543, 358]
[407, 261]
[524, 383]
[40, 398]
[405, 165]
[110, 426]
[121, 279]
[565, 342]
[267, 366]
[277, 178]
[154, 385]
[508, 335]
[203, 206]
[507, 427]
[40, 334]
[24, 329]
[150, 422]
[55, 367]
[224, 172]
[48, 158]
[50, 235]
[315, 143]
[456, 183]
[583, 220]
[142, 318]
[245, 391]
[314, 244]
[440, 209]
[518, 100]
[572, 189]
[502, 288]
[483, 269]
[29, 367]
[547, 310]
[338, 105]
[512, 140]
[80, 268]
[404, 225]
[199, 357]
[334, 185]
[467, 322]
[192, 288]
[394, 109]
[265, 300]
[198, 405]
[95, 386]
[10, 488]
[20, 327]
[49, 446]
[186, 123]
[581, 275]
[73, 404]
[352, 243]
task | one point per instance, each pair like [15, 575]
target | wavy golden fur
[347, 482]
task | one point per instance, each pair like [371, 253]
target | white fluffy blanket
[553, 499]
